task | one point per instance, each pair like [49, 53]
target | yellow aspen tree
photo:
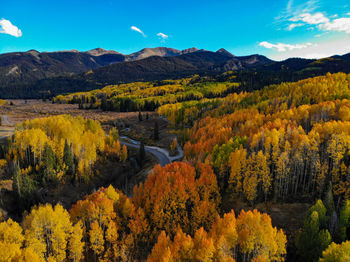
[28, 254]
[96, 238]
[47, 230]
[237, 163]
[111, 237]
[182, 247]
[336, 252]
[173, 145]
[11, 240]
[124, 154]
[224, 234]
[203, 246]
[264, 173]
[250, 181]
[257, 237]
[76, 245]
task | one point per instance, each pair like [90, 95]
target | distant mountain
[224, 52]
[159, 51]
[148, 69]
[25, 67]
[242, 62]
[33, 74]
[156, 67]
[100, 51]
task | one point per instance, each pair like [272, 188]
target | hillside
[277, 150]
[20, 68]
[148, 69]
[36, 75]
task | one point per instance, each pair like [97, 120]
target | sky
[278, 29]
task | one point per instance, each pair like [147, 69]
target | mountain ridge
[34, 75]
[32, 65]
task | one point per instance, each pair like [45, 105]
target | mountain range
[32, 74]
[23, 67]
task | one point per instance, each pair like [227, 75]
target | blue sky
[275, 28]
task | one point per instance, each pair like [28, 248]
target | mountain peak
[33, 51]
[156, 51]
[190, 50]
[224, 52]
[100, 51]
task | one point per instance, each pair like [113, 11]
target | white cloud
[338, 25]
[348, 13]
[6, 27]
[137, 30]
[319, 49]
[322, 22]
[284, 47]
[308, 18]
[162, 37]
[292, 26]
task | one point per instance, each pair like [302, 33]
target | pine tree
[16, 180]
[68, 158]
[344, 221]
[140, 116]
[49, 162]
[311, 240]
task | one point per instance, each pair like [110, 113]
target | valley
[193, 150]
[187, 131]
[262, 151]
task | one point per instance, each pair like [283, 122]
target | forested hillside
[252, 72]
[285, 143]
[148, 96]
[56, 150]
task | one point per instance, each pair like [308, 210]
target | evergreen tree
[344, 222]
[140, 116]
[16, 180]
[312, 239]
[49, 163]
[68, 158]
[25, 188]
[104, 104]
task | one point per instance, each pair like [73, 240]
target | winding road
[6, 120]
[4, 134]
[161, 154]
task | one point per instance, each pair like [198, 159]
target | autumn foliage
[58, 149]
[250, 237]
[173, 216]
[294, 140]
[179, 195]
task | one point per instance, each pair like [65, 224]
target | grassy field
[127, 123]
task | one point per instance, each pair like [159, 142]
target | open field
[127, 123]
